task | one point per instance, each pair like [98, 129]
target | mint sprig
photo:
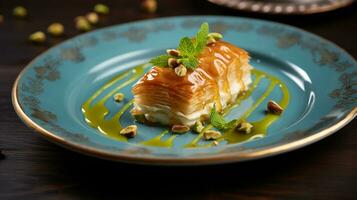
[160, 61]
[219, 122]
[201, 38]
[188, 48]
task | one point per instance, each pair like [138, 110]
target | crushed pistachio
[101, 9]
[216, 36]
[138, 115]
[215, 143]
[92, 17]
[211, 41]
[172, 62]
[180, 70]
[37, 37]
[129, 131]
[179, 128]
[274, 108]
[198, 127]
[211, 135]
[173, 52]
[82, 24]
[149, 6]
[55, 29]
[20, 12]
[119, 97]
[244, 127]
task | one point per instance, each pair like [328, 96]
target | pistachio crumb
[37, 37]
[138, 115]
[149, 6]
[101, 9]
[216, 36]
[173, 52]
[172, 62]
[55, 29]
[82, 24]
[215, 143]
[20, 12]
[211, 40]
[92, 17]
[198, 127]
[119, 97]
[244, 127]
[181, 70]
[179, 128]
[129, 131]
[211, 135]
[274, 108]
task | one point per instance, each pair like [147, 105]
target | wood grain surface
[33, 168]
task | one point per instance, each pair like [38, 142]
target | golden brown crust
[217, 62]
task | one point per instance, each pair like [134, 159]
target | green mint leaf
[231, 124]
[216, 119]
[190, 62]
[201, 38]
[160, 61]
[219, 122]
[186, 47]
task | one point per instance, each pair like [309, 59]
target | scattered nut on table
[19, 12]
[37, 37]
[149, 6]
[56, 29]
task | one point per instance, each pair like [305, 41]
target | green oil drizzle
[158, 142]
[95, 113]
[259, 127]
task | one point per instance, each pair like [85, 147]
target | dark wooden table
[34, 168]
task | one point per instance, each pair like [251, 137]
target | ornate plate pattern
[284, 6]
[321, 77]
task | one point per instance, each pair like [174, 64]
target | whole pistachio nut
[172, 62]
[55, 29]
[82, 24]
[92, 17]
[211, 40]
[19, 11]
[101, 9]
[173, 52]
[37, 37]
[216, 36]
[119, 97]
[181, 70]
[274, 108]
[129, 131]
[179, 128]
[149, 6]
[198, 127]
[244, 127]
[211, 135]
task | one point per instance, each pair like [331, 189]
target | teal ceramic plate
[321, 78]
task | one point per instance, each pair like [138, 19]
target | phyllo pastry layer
[222, 74]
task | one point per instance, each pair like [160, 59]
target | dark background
[34, 168]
